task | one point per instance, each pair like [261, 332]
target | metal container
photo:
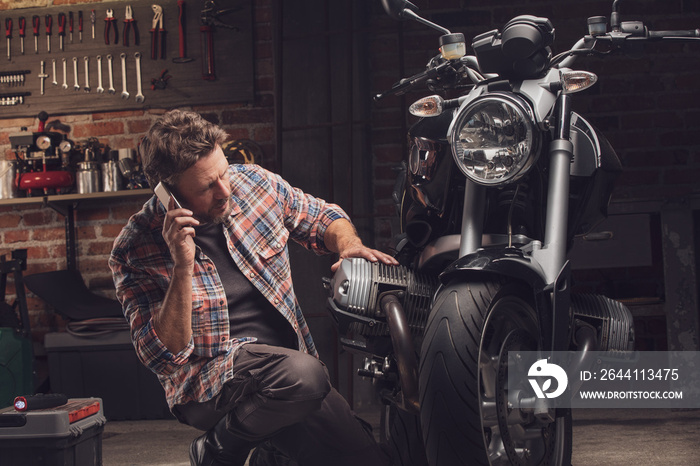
[111, 179]
[88, 177]
[8, 173]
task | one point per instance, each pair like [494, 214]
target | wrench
[76, 86]
[87, 74]
[65, 74]
[111, 89]
[53, 66]
[100, 89]
[125, 95]
[139, 95]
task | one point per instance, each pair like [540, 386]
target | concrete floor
[652, 437]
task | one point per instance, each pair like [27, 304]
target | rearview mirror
[396, 8]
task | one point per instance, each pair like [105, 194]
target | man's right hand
[178, 232]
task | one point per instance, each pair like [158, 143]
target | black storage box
[105, 366]
[68, 435]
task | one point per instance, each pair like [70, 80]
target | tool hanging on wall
[157, 33]
[181, 21]
[80, 25]
[109, 21]
[70, 26]
[161, 82]
[129, 25]
[35, 29]
[8, 34]
[13, 78]
[61, 31]
[53, 69]
[93, 18]
[209, 18]
[42, 75]
[13, 99]
[65, 73]
[22, 32]
[49, 25]
[100, 89]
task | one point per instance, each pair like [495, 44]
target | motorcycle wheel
[402, 434]
[465, 416]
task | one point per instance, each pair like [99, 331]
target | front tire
[465, 416]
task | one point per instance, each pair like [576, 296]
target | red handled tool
[109, 20]
[35, 27]
[22, 33]
[182, 58]
[61, 30]
[70, 26]
[128, 23]
[8, 34]
[80, 26]
[49, 25]
[157, 33]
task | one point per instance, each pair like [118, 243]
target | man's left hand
[363, 251]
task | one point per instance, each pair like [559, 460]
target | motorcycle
[498, 182]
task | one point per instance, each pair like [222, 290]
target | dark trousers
[285, 396]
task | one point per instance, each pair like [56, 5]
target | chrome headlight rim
[527, 117]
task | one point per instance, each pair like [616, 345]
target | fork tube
[472, 218]
[560, 155]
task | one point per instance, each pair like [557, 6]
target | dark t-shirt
[250, 313]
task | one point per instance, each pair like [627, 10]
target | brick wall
[42, 231]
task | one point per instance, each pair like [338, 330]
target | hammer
[181, 29]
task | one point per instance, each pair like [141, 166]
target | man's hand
[178, 232]
[342, 238]
[363, 251]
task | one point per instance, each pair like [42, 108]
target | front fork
[550, 257]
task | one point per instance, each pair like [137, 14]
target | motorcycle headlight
[494, 140]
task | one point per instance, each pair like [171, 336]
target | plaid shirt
[267, 211]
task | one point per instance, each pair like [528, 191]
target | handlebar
[406, 84]
[629, 31]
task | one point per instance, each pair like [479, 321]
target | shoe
[216, 448]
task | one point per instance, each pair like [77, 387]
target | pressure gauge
[43, 142]
[65, 146]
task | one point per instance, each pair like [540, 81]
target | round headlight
[493, 139]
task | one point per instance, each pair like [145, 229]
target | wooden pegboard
[233, 58]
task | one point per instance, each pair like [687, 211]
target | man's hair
[175, 142]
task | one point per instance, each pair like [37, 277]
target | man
[207, 290]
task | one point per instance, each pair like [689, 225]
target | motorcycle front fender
[507, 262]
[551, 301]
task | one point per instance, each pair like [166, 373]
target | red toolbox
[67, 435]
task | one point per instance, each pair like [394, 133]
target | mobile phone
[164, 195]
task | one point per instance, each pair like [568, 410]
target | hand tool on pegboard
[8, 34]
[157, 33]
[209, 18]
[70, 26]
[61, 31]
[22, 32]
[35, 28]
[129, 25]
[181, 21]
[80, 25]
[109, 24]
[48, 21]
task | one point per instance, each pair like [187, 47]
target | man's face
[204, 188]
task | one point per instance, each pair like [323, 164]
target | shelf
[69, 198]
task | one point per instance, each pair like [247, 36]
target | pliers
[108, 25]
[157, 32]
[128, 20]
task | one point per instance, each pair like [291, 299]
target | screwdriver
[49, 25]
[22, 31]
[70, 26]
[35, 28]
[80, 26]
[61, 30]
[8, 34]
